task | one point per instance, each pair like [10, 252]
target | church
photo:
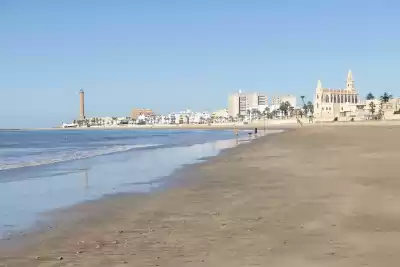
[330, 103]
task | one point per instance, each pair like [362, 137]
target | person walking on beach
[299, 122]
[237, 135]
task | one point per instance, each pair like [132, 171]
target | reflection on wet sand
[135, 171]
[86, 179]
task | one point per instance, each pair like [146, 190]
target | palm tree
[305, 108]
[291, 111]
[370, 96]
[381, 112]
[372, 107]
[310, 107]
[274, 113]
[240, 117]
[255, 113]
[386, 97]
[265, 113]
[284, 107]
[302, 99]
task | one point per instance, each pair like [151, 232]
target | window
[317, 96]
[317, 105]
[322, 109]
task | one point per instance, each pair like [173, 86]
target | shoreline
[314, 196]
[270, 124]
[166, 127]
[17, 238]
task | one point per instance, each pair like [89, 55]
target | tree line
[385, 98]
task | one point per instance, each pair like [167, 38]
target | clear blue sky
[172, 55]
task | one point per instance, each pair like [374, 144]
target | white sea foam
[69, 155]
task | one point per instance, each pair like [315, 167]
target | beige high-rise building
[240, 102]
[81, 104]
[330, 103]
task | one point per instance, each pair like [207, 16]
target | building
[278, 100]
[330, 103]
[389, 108]
[136, 112]
[240, 103]
[81, 104]
[221, 113]
[188, 117]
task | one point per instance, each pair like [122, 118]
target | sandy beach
[315, 196]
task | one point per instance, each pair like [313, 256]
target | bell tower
[318, 99]
[350, 82]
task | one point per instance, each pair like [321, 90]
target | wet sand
[316, 196]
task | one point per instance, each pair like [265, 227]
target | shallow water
[46, 170]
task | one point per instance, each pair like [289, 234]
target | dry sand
[317, 196]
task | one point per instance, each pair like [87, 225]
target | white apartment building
[278, 100]
[240, 102]
[220, 113]
[188, 117]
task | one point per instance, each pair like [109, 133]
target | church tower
[319, 86]
[318, 93]
[350, 82]
[318, 98]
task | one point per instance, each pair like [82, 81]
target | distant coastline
[222, 126]
[270, 124]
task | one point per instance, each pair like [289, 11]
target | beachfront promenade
[315, 196]
[260, 124]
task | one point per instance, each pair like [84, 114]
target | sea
[41, 171]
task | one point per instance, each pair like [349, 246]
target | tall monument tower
[81, 104]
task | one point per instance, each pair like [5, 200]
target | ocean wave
[72, 155]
